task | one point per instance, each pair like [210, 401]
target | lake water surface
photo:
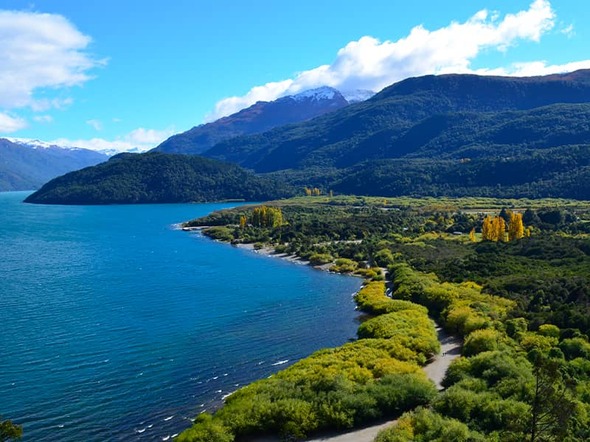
[115, 326]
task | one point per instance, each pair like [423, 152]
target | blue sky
[125, 73]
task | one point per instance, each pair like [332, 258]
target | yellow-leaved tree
[493, 229]
[499, 229]
[487, 229]
[264, 216]
[515, 227]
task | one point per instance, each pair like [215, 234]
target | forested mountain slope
[158, 178]
[404, 117]
[260, 117]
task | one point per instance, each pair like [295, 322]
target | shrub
[320, 258]
[549, 330]
[344, 265]
[424, 425]
[530, 341]
[219, 233]
[463, 320]
[575, 348]
[413, 331]
[516, 326]
[480, 341]
[206, 429]
[384, 257]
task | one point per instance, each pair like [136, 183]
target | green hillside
[157, 178]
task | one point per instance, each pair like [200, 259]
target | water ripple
[117, 327]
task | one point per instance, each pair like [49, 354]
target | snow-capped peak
[329, 93]
[317, 94]
[358, 95]
[38, 144]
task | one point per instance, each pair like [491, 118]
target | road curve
[435, 370]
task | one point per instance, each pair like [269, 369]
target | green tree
[552, 405]
[9, 430]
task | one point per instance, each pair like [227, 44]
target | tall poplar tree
[499, 229]
[516, 227]
[487, 229]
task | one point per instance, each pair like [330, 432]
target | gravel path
[450, 349]
[362, 435]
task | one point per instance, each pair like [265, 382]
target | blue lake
[116, 326]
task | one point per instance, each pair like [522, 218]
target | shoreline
[270, 253]
[435, 369]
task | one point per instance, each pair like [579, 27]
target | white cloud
[40, 51]
[95, 124]
[9, 124]
[45, 104]
[568, 31]
[371, 64]
[148, 136]
[268, 92]
[43, 118]
[138, 140]
[534, 68]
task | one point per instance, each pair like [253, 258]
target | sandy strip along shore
[435, 369]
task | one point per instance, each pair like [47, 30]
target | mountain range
[406, 117]
[261, 117]
[433, 135]
[27, 165]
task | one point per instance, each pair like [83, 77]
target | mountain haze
[27, 166]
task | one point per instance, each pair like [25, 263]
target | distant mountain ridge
[375, 128]
[261, 117]
[39, 144]
[28, 165]
[454, 135]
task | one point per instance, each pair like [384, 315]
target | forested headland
[519, 296]
[159, 178]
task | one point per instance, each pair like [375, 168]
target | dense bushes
[423, 425]
[510, 385]
[462, 308]
[481, 340]
[371, 299]
[377, 376]
[519, 374]
[411, 330]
